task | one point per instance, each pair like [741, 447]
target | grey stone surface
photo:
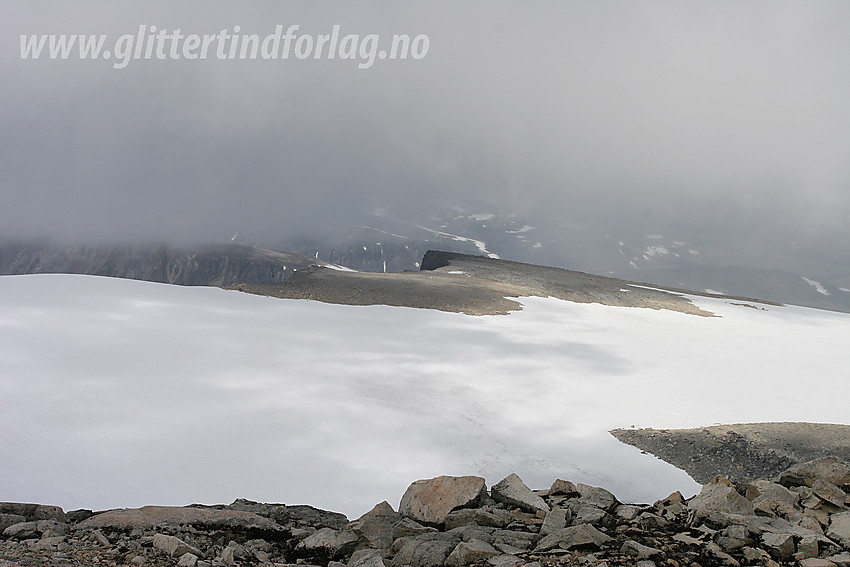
[512, 490]
[173, 546]
[719, 496]
[377, 525]
[830, 469]
[469, 552]
[431, 500]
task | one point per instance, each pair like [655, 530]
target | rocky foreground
[799, 518]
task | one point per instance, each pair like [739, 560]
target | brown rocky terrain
[474, 285]
[801, 517]
[741, 452]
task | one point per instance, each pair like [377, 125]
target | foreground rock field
[801, 517]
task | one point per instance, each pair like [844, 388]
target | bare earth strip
[741, 452]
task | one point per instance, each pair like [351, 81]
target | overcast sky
[717, 114]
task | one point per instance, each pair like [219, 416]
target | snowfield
[119, 393]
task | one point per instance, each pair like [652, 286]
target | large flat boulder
[150, 517]
[431, 500]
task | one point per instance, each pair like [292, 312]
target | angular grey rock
[779, 545]
[52, 528]
[173, 546]
[840, 559]
[839, 529]
[583, 535]
[635, 549]
[508, 560]
[367, 558]
[429, 550]
[335, 543]
[7, 520]
[431, 500]
[815, 562]
[187, 560]
[828, 492]
[627, 512]
[407, 527]
[830, 469]
[555, 519]
[470, 532]
[724, 558]
[23, 530]
[563, 487]
[588, 514]
[479, 516]
[719, 496]
[807, 547]
[377, 525]
[469, 552]
[596, 496]
[770, 498]
[46, 543]
[512, 491]
[100, 538]
[520, 540]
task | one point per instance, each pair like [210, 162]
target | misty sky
[721, 116]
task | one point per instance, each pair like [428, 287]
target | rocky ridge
[800, 517]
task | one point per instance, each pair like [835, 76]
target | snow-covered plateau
[120, 393]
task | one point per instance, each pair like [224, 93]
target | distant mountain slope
[813, 273]
[215, 264]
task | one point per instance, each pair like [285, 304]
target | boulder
[407, 527]
[377, 525]
[828, 492]
[366, 558]
[830, 469]
[428, 550]
[430, 501]
[187, 560]
[839, 529]
[479, 516]
[563, 487]
[581, 536]
[779, 545]
[173, 546]
[469, 552]
[335, 543]
[555, 519]
[7, 520]
[512, 491]
[719, 496]
[596, 496]
[815, 562]
[635, 549]
[22, 530]
[770, 498]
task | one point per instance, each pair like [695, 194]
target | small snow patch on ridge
[817, 285]
[713, 291]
